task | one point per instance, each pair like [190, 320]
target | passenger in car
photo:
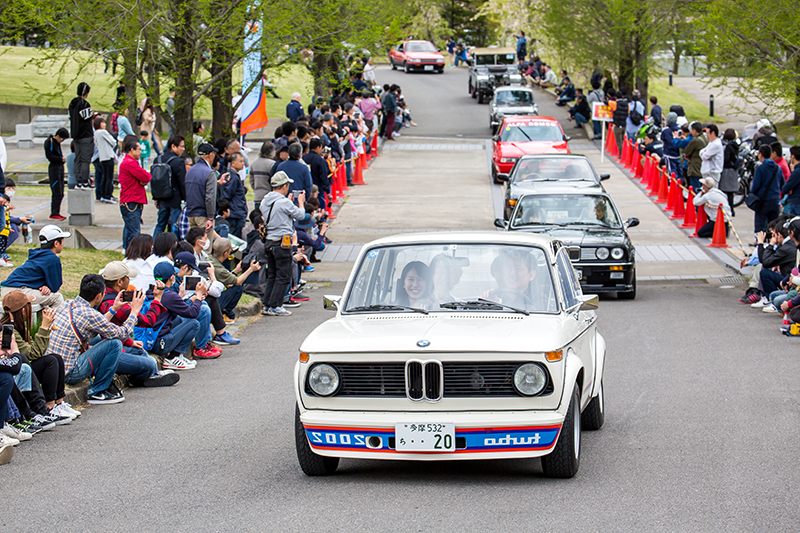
[415, 283]
[572, 172]
[515, 273]
[445, 274]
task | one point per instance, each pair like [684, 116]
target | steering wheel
[525, 298]
[532, 176]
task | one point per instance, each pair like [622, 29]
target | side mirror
[589, 302]
[331, 301]
[499, 223]
[502, 177]
[604, 177]
[567, 138]
[631, 222]
[496, 138]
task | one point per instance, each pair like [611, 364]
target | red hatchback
[523, 135]
[416, 55]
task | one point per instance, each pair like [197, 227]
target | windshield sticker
[372, 254]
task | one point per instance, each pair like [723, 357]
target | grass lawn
[29, 85]
[75, 263]
[672, 95]
[787, 133]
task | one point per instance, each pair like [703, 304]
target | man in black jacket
[55, 171]
[170, 209]
[620, 119]
[781, 252]
[319, 169]
[80, 121]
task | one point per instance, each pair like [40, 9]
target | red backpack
[114, 127]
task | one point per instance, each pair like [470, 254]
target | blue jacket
[234, 191]
[294, 110]
[522, 45]
[299, 173]
[201, 191]
[43, 268]
[669, 141]
[319, 171]
[793, 186]
[767, 181]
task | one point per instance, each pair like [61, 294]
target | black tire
[406, 68]
[469, 89]
[565, 459]
[394, 67]
[311, 463]
[741, 194]
[629, 295]
[440, 71]
[480, 97]
[594, 415]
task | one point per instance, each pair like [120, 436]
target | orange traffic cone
[628, 155]
[638, 168]
[648, 166]
[374, 145]
[663, 190]
[343, 178]
[680, 210]
[718, 239]
[702, 220]
[613, 149]
[334, 196]
[689, 219]
[358, 177]
[671, 196]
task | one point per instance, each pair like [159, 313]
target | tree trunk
[796, 118]
[221, 104]
[640, 58]
[323, 69]
[129, 78]
[184, 73]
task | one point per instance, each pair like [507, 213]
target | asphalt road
[701, 430]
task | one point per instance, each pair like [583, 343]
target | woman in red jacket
[132, 195]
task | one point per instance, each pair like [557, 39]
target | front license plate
[428, 67]
[579, 273]
[410, 437]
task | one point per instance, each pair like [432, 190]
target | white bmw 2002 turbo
[453, 346]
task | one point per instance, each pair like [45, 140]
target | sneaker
[5, 440]
[106, 201]
[228, 320]
[265, 310]
[4, 263]
[179, 363]
[55, 419]
[57, 217]
[309, 269]
[761, 303]
[290, 303]
[105, 397]
[785, 329]
[199, 353]
[164, 378]
[769, 308]
[32, 427]
[60, 411]
[211, 348]
[6, 453]
[751, 298]
[303, 283]
[278, 311]
[10, 431]
[296, 297]
[226, 338]
[68, 408]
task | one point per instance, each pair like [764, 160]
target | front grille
[461, 379]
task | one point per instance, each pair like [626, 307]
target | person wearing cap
[710, 197]
[178, 320]
[279, 214]
[304, 229]
[201, 189]
[294, 109]
[210, 312]
[779, 253]
[133, 361]
[40, 275]
[76, 324]
[229, 298]
[672, 153]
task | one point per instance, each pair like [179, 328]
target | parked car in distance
[586, 220]
[534, 173]
[453, 346]
[492, 68]
[525, 135]
[416, 55]
[514, 101]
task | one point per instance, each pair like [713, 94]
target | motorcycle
[748, 162]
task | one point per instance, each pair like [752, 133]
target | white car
[474, 345]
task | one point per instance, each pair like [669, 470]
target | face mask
[207, 246]
[11, 193]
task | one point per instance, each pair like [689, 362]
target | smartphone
[191, 282]
[8, 336]
[152, 287]
[203, 266]
[127, 296]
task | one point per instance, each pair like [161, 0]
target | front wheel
[394, 67]
[406, 68]
[595, 413]
[565, 459]
[629, 295]
[741, 194]
[311, 463]
[480, 97]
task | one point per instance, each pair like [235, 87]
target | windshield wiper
[387, 307]
[480, 303]
[525, 134]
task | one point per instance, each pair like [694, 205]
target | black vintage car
[588, 223]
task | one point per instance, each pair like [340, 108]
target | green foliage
[753, 46]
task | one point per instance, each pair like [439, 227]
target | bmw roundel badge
[423, 343]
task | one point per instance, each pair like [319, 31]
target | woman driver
[416, 286]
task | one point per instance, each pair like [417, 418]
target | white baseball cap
[52, 232]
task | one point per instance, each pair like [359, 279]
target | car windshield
[514, 97]
[528, 132]
[566, 210]
[420, 47]
[552, 169]
[448, 277]
[495, 59]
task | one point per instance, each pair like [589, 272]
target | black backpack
[139, 117]
[161, 179]
[635, 116]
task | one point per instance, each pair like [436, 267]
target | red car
[416, 55]
[522, 135]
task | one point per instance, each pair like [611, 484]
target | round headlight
[617, 253]
[323, 379]
[601, 253]
[529, 379]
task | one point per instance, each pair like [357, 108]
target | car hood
[582, 236]
[424, 55]
[518, 149]
[445, 331]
